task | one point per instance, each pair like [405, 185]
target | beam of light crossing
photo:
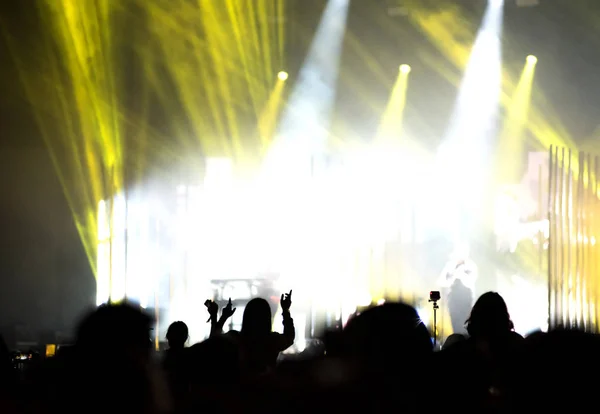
[511, 149]
[267, 121]
[446, 28]
[462, 157]
[390, 128]
[306, 120]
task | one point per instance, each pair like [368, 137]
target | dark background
[45, 278]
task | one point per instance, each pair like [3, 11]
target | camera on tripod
[434, 296]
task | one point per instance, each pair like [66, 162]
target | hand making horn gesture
[213, 309]
[286, 301]
[228, 310]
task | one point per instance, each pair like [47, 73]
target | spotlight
[405, 69]
[532, 59]
[283, 76]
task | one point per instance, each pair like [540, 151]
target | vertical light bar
[117, 290]
[561, 236]
[596, 255]
[579, 273]
[571, 220]
[147, 273]
[588, 235]
[103, 251]
[554, 245]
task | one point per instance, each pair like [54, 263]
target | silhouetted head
[257, 318]
[489, 317]
[113, 328]
[177, 334]
[536, 336]
[453, 340]
[111, 357]
[387, 336]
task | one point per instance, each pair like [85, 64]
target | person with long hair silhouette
[260, 346]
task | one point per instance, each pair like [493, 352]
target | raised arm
[216, 324]
[289, 332]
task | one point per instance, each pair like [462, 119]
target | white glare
[306, 120]
[463, 156]
[405, 69]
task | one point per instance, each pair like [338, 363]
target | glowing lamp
[532, 60]
[405, 69]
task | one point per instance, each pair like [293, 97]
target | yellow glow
[282, 76]
[405, 69]
[83, 110]
[448, 29]
[237, 51]
[50, 350]
[512, 142]
[390, 127]
[270, 114]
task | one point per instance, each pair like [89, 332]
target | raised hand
[286, 301]
[212, 308]
[228, 310]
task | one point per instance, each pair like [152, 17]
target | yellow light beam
[512, 140]
[390, 127]
[268, 120]
[449, 30]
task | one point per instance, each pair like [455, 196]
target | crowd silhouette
[383, 360]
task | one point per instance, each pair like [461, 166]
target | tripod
[435, 309]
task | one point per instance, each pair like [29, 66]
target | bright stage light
[532, 59]
[405, 69]
[283, 76]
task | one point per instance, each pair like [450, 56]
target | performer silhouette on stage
[458, 284]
